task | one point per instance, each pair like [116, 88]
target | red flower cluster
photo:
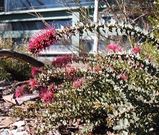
[19, 91]
[78, 83]
[97, 69]
[33, 83]
[62, 60]
[35, 71]
[113, 48]
[136, 50]
[42, 41]
[47, 95]
[123, 76]
[71, 70]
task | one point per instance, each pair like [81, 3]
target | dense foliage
[115, 92]
[12, 69]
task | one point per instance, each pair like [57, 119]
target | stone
[5, 132]
[22, 99]
[19, 123]
[6, 122]
[25, 98]
[9, 98]
[15, 132]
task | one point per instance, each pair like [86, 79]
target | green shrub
[116, 92]
[12, 69]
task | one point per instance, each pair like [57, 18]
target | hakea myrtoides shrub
[50, 36]
[43, 40]
[117, 92]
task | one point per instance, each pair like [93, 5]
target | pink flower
[46, 38]
[33, 83]
[113, 48]
[136, 50]
[71, 70]
[62, 60]
[97, 69]
[123, 76]
[78, 83]
[52, 87]
[46, 95]
[35, 71]
[19, 91]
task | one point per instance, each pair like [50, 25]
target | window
[1, 5]
[37, 25]
[13, 5]
[76, 2]
[5, 26]
[31, 4]
[107, 19]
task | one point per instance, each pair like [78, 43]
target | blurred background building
[20, 19]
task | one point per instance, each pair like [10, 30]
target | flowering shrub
[136, 50]
[33, 83]
[12, 69]
[78, 83]
[46, 95]
[98, 94]
[46, 38]
[120, 95]
[114, 48]
[35, 71]
[62, 60]
[19, 91]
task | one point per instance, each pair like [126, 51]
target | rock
[6, 122]
[1, 91]
[22, 99]
[13, 132]
[19, 123]
[5, 132]
[21, 129]
[9, 98]
[25, 98]
[3, 83]
[15, 128]
[5, 107]
[16, 132]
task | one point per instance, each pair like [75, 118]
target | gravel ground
[9, 125]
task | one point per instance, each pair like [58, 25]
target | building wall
[23, 18]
